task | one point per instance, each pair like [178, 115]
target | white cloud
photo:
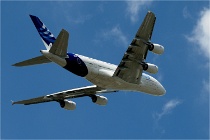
[204, 95]
[100, 8]
[160, 77]
[201, 33]
[167, 108]
[186, 13]
[206, 86]
[79, 16]
[79, 19]
[200, 37]
[116, 34]
[133, 8]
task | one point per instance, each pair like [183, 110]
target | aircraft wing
[59, 96]
[130, 68]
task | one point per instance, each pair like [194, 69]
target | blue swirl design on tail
[44, 32]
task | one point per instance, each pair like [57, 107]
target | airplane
[105, 77]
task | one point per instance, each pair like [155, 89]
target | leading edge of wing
[72, 93]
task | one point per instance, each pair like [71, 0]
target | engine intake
[68, 105]
[156, 48]
[100, 100]
[151, 68]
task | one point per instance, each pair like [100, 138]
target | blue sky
[103, 30]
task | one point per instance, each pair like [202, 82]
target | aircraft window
[105, 68]
[90, 63]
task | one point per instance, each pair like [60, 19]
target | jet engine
[100, 100]
[156, 48]
[68, 105]
[151, 68]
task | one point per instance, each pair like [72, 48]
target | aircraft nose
[162, 90]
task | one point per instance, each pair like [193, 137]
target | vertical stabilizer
[47, 37]
[60, 45]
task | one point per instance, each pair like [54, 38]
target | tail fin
[55, 46]
[60, 46]
[47, 37]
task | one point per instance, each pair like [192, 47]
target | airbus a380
[106, 77]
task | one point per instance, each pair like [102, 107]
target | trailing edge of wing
[34, 61]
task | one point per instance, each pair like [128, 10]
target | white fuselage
[101, 74]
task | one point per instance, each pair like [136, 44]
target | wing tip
[12, 102]
[15, 65]
[150, 12]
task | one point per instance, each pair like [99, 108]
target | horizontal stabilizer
[60, 45]
[37, 60]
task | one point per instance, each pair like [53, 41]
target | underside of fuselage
[147, 84]
[101, 74]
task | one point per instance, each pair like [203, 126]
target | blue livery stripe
[76, 65]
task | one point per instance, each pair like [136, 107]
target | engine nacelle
[151, 68]
[156, 48]
[100, 100]
[69, 105]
